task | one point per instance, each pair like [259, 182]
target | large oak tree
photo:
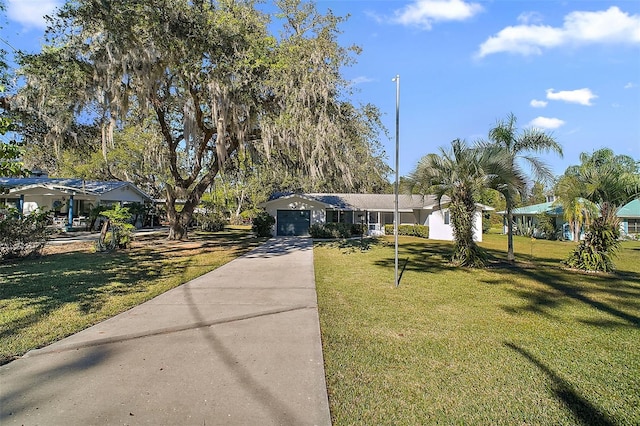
[213, 81]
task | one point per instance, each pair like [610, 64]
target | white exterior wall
[438, 230]
[317, 211]
[477, 228]
[124, 195]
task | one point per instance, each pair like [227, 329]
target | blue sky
[571, 68]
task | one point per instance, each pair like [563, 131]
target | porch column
[21, 205]
[70, 218]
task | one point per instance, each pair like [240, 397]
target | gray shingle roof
[378, 202]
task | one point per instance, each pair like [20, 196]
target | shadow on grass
[589, 289]
[351, 245]
[426, 257]
[584, 411]
[594, 290]
[35, 288]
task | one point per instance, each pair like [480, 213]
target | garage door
[293, 222]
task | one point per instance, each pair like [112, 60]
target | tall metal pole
[396, 216]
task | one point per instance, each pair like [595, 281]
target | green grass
[45, 299]
[530, 344]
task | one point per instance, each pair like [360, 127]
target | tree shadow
[351, 245]
[583, 410]
[426, 257]
[431, 256]
[17, 400]
[589, 289]
[41, 286]
[281, 246]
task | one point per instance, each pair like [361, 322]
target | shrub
[336, 230]
[597, 250]
[262, 224]
[22, 236]
[486, 223]
[358, 229]
[330, 230]
[212, 221]
[94, 214]
[121, 231]
[547, 226]
[421, 231]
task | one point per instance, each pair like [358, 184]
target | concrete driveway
[237, 346]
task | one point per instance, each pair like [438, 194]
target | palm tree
[514, 147]
[460, 174]
[576, 210]
[609, 181]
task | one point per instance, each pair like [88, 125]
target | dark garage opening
[293, 222]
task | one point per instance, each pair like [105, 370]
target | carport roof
[548, 207]
[68, 185]
[631, 209]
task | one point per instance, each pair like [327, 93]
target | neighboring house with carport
[70, 200]
[295, 213]
[526, 219]
[629, 215]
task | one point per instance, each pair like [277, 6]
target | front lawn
[532, 344]
[45, 299]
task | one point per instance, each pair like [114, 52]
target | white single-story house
[526, 219]
[71, 200]
[295, 213]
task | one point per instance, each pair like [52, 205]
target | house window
[332, 216]
[633, 226]
[447, 217]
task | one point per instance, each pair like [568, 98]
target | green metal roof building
[526, 218]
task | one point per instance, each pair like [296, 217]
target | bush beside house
[336, 230]
[262, 224]
[22, 235]
[421, 231]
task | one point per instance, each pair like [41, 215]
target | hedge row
[335, 230]
[421, 231]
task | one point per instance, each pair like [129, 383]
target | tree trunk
[179, 221]
[177, 229]
[510, 255]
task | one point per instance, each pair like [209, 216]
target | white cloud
[361, 79]
[529, 18]
[30, 13]
[630, 85]
[609, 26]
[538, 104]
[546, 123]
[580, 96]
[424, 13]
